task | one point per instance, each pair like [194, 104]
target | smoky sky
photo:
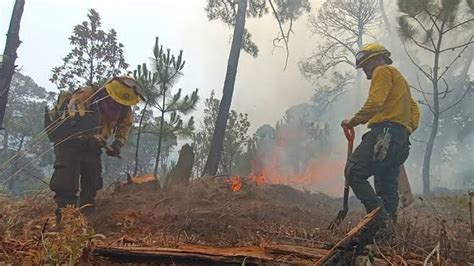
[263, 89]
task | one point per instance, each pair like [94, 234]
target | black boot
[62, 201]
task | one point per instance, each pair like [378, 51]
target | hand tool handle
[350, 135]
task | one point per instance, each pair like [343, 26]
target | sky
[263, 89]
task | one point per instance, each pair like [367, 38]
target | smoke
[262, 89]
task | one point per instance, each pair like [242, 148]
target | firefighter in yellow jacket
[392, 115]
[83, 122]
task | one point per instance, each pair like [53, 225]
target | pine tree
[234, 13]
[431, 26]
[95, 56]
[167, 67]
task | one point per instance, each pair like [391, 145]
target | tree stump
[181, 173]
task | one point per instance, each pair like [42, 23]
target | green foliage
[289, 10]
[286, 11]
[226, 10]
[166, 71]
[248, 45]
[406, 29]
[343, 26]
[65, 247]
[237, 142]
[425, 22]
[450, 8]
[20, 141]
[96, 55]
[413, 8]
[148, 81]
[325, 95]
[427, 11]
[160, 132]
[171, 128]
[437, 28]
[168, 68]
[470, 3]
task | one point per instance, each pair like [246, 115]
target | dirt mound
[206, 211]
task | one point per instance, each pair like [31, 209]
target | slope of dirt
[206, 211]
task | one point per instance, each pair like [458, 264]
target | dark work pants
[361, 166]
[77, 166]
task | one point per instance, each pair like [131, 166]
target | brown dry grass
[207, 212]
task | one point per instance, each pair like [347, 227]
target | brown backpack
[60, 126]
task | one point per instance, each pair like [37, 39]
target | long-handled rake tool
[341, 215]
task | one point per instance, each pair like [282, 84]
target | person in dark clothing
[392, 115]
[102, 111]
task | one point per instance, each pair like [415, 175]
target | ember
[235, 183]
[143, 178]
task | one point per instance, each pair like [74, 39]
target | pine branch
[457, 57]
[458, 25]
[424, 95]
[458, 101]
[420, 45]
[416, 64]
[434, 20]
[459, 46]
[446, 91]
[285, 38]
[426, 30]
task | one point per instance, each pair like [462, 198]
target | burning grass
[218, 212]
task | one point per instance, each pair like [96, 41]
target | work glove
[345, 123]
[94, 143]
[114, 149]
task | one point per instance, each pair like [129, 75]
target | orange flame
[271, 167]
[235, 183]
[323, 176]
[143, 178]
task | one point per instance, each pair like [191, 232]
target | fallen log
[182, 254]
[343, 252]
[297, 251]
[212, 255]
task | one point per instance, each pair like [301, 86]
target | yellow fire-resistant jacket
[82, 98]
[389, 100]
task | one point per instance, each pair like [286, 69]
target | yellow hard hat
[369, 51]
[123, 90]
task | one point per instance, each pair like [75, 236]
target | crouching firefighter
[392, 115]
[79, 125]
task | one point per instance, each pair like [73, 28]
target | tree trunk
[135, 170]
[9, 56]
[431, 140]
[434, 128]
[181, 173]
[388, 25]
[20, 145]
[428, 153]
[217, 143]
[5, 142]
[16, 169]
[359, 98]
[157, 161]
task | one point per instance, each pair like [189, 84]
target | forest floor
[208, 212]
